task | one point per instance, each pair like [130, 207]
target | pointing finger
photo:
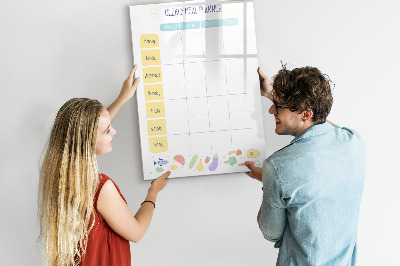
[165, 175]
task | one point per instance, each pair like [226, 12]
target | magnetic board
[198, 98]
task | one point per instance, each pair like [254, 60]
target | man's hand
[256, 172]
[265, 87]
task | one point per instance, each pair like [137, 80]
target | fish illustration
[161, 162]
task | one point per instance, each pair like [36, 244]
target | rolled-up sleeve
[273, 218]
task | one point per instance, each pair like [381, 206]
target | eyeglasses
[278, 106]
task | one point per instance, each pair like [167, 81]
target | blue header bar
[191, 25]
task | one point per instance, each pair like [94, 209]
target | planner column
[153, 91]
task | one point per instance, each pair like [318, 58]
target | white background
[51, 51]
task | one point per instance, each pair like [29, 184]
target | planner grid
[198, 106]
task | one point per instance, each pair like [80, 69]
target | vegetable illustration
[207, 159]
[253, 153]
[231, 161]
[180, 159]
[200, 166]
[193, 161]
[173, 167]
[213, 166]
[238, 152]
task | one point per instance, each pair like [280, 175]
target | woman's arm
[119, 217]
[127, 91]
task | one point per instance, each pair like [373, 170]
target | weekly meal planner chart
[198, 98]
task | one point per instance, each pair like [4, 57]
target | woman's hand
[115, 211]
[129, 86]
[158, 184]
[127, 92]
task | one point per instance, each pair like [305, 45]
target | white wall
[51, 51]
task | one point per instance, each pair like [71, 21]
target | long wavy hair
[68, 182]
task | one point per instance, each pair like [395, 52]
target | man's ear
[306, 115]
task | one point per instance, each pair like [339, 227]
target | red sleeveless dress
[105, 247]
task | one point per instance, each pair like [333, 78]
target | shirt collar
[314, 131]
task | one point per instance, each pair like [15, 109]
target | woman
[84, 219]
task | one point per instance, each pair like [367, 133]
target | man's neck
[305, 126]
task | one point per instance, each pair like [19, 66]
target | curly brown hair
[304, 88]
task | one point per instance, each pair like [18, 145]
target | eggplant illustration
[214, 163]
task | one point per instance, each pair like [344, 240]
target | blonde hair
[68, 182]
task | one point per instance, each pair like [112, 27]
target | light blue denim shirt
[311, 197]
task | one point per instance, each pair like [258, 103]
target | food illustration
[180, 159]
[231, 161]
[200, 166]
[252, 162]
[253, 153]
[173, 167]
[237, 152]
[214, 164]
[161, 162]
[193, 161]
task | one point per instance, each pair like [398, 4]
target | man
[312, 187]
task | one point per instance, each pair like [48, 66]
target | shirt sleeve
[273, 219]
